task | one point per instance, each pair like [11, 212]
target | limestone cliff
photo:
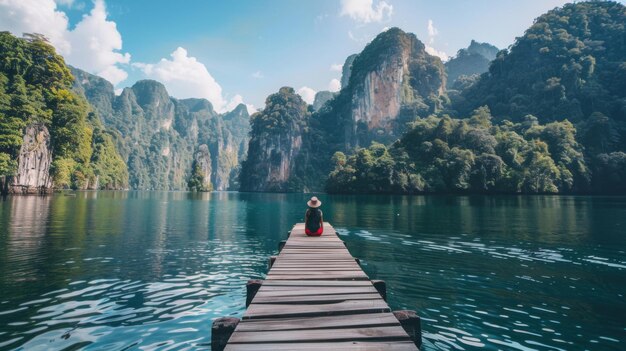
[347, 70]
[159, 136]
[274, 151]
[203, 161]
[321, 98]
[34, 160]
[390, 83]
[393, 73]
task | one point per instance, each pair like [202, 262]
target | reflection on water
[150, 270]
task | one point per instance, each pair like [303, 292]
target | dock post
[281, 245]
[221, 330]
[288, 233]
[252, 287]
[358, 261]
[381, 287]
[411, 323]
[270, 262]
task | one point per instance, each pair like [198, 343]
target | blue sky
[233, 51]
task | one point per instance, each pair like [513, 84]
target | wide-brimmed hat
[314, 202]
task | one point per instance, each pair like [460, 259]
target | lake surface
[150, 270]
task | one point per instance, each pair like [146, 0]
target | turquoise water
[150, 270]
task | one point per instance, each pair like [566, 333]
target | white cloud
[36, 16]
[442, 55]
[257, 75]
[186, 77]
[67, 3]
[432, 33]
[337, 67]
[334, 85]
[93, 45]
[307, 94]
[235, 101]
[96, 44]
[364, 11]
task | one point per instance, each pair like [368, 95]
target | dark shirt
[313, 219]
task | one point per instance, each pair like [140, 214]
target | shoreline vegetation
[548, 116]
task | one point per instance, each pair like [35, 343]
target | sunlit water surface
[150, 270]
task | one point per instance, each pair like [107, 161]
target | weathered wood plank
[393, 333]
[343, 276]
[304, 299]
[318, 263]
[344, 307]
[318, 282]
[348, 346]
[305, 291]
[356, 320]
[317, 270]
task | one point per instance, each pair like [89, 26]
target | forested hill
[570, 64]
[469, 63]
[48, 133]
[549, 116]
[63, 128]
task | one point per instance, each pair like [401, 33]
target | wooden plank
[348, 346]
[314, 260]
[392, 333]
[301, 264]
[304, 291]
[315, 270]
[310, 257]
[356, 320]
[344, 307]
[304, 299]
[344, 276]
[318, 282]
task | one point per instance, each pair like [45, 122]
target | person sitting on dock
[313, 219]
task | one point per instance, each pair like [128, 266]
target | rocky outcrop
[274, 151]
[203, 161]
[157, 135]
[321, 98]
[34, 160]
[347, 70]
[391, 82]
[392, 72]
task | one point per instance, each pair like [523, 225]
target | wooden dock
[317, 297]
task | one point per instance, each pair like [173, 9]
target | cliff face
[34, 160]
[391, 82]
[347, 70]
[321, 98]
[393, 72]
[159, 137]
[274, 150]
[203, 161]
